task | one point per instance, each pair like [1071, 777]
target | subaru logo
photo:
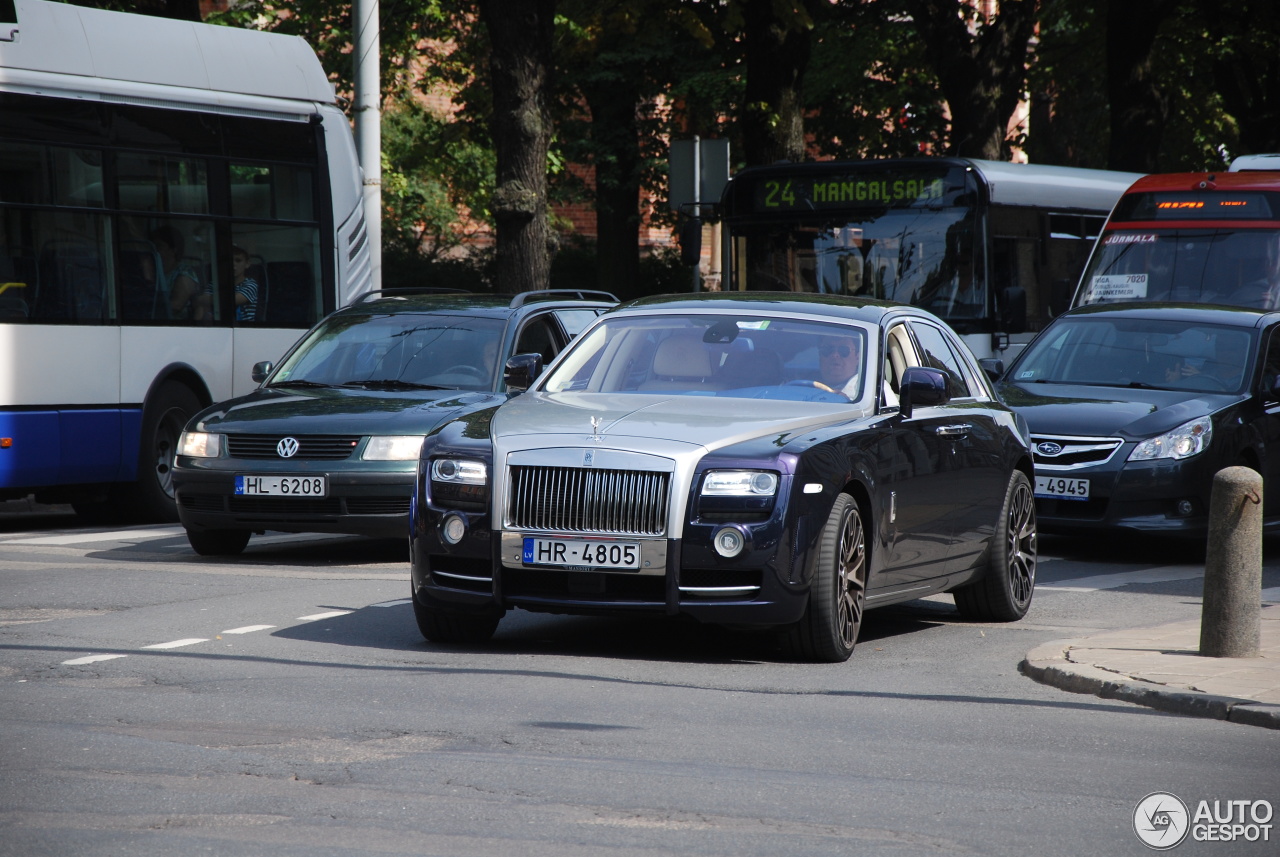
[1049, 449]
[287, 447]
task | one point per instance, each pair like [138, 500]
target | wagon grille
[314, 447]
[588, 500]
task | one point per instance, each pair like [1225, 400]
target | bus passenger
[187, 300]
[246, 286]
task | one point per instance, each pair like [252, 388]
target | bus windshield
[1230, 267]
[1190, 238]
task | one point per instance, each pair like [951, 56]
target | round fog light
[453, 529]
[1185, 508]
[728, 542]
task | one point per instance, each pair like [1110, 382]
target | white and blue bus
[992, 248]
[177, 202]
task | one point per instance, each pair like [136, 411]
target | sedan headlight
[740, 483]
[393, 448]
[1185, 441]
[460, 480]
[199, 444]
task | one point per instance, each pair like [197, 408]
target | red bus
[1190, 238]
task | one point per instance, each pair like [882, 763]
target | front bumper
[483, 572]
[1163, 496]
[367, 503]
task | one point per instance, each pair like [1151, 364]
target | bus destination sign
[879, 189]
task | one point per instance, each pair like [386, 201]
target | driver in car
[839, 361]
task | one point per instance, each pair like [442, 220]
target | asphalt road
[154, 702]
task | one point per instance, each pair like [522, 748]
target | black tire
[449, 626]
[837, 597]
[1004, 592]
[218, 542]
[162, 423]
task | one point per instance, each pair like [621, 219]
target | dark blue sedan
[700, 455]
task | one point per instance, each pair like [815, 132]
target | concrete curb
[1049, 664]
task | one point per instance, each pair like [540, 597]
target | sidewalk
[1161, 667]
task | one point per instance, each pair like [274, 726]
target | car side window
[899, 354]
[539, 337]
[1271, 367]
[574, 321]
[936, 353]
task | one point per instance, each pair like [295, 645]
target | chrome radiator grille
[588, 500]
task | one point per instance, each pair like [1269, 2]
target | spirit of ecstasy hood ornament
[595, 429]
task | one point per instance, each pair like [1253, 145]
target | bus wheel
[162, 422]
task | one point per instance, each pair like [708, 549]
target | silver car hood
[636, 431]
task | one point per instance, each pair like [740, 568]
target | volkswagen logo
[287, 447]
[1049, 448]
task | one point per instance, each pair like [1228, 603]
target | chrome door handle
[953, 431]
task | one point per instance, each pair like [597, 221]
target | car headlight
[393, 448]
[459, 471]
[199, 444]
[460, 480]
[1185, 441]
[739, 483]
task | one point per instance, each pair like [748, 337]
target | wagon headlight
[740, 483]
[393, 448]
[199, 444]
[1185, 441]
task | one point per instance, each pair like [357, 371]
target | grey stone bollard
[1231, 616]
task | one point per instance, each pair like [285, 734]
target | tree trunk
[520, 35]
[616, 135]
[982, 75]
[777, 51]
[1138, 108]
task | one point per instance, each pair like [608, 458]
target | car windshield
[716, 355]
[1138, 352]
[398, 351]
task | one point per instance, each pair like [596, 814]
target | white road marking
[328, 615]
[91, 659]
[248, 629]
[110, 536]
[393, 603]
[1114, 581]
[177, 644]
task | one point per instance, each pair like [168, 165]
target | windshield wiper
[298, 383]
[393, 384]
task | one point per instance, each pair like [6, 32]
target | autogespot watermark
[1162, 821]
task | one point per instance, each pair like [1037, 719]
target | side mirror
[691, 242]
[260, 371]
[521, 371]
[921, 387]
[993, 366]
[1013, 310]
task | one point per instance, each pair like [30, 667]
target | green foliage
[430, 173]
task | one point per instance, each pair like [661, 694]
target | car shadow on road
[677, 640]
